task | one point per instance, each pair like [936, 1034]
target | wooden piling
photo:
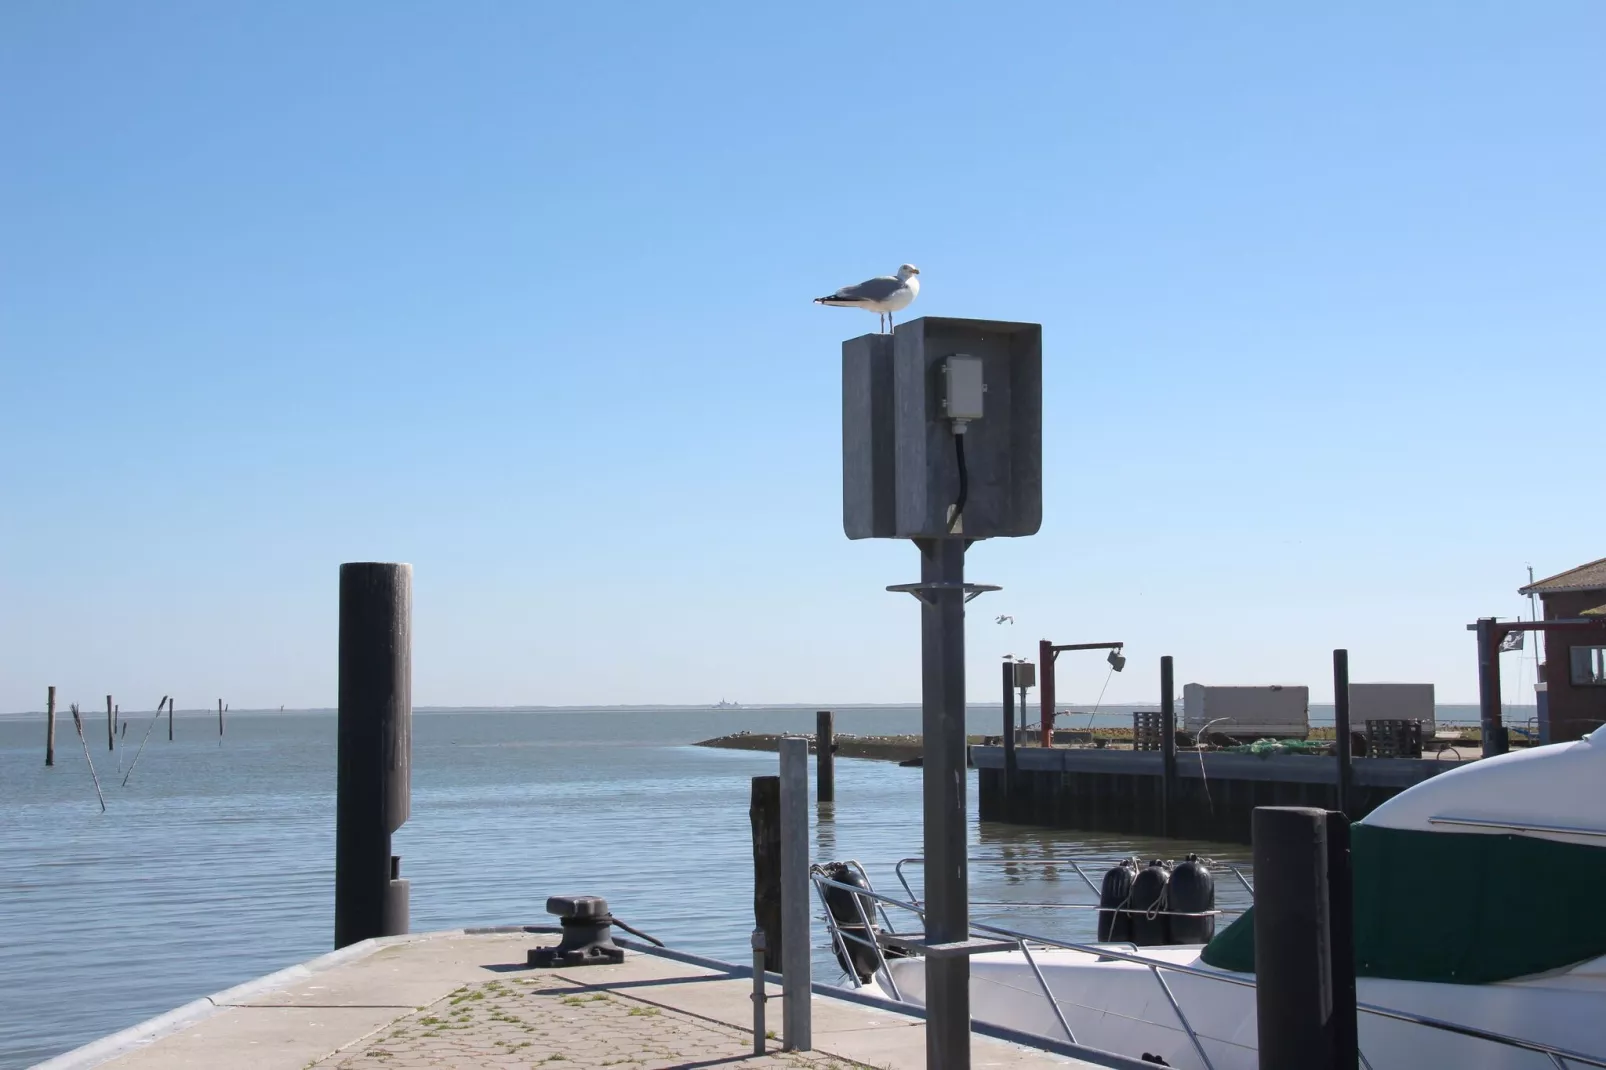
[111, 738]
[170, 718]
[1304, 957]
[50, 727]
[825, 756]
[1341, 736]
[220, 718]
[78, 723]
[374, 759]
[1168, 744]
[764, 812]
[1011, 777]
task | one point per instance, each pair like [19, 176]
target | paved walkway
[466, 1000]
[558, 1023]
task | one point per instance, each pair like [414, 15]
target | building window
[1589, 666]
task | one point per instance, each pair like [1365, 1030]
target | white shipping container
[1276, 711]
[1391, 702]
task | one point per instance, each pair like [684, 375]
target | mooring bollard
[1304, 952]
[587, 934]
[375, 750]
[759, 996]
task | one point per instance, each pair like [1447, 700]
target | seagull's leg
[889, 323]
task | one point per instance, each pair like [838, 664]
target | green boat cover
[1459, 908]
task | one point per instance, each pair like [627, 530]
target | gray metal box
[899, 467]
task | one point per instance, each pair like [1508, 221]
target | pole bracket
[920, 590]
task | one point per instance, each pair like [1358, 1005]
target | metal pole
[795, 967]
[1004, 810]
[1168, 744]
[825, 756]
[1341, 727]
[759, 995]
[375, 750]
[1045, 688]
[942, 562]
[1489, 688]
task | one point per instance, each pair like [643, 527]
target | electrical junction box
[901, 397]
[1025, 674]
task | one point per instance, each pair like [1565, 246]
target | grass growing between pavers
[536, 1022]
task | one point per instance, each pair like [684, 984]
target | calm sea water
[215, 864]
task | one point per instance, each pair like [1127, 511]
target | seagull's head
[907, 270]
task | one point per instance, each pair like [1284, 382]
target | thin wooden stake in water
[220, 721]
[50, 728]
[111, 740]
[170, 718]
[141, 750]
[79, 724]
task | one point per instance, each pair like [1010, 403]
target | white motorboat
[1478, 903]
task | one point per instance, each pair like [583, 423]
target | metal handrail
[1074, 864]
[1558, 1056]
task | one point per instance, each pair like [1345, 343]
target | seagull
[1000, 620]
[882, 295]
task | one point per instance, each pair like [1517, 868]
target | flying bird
[1000, 620]
[882, 295]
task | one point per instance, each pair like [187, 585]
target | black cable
[637, 932]
[964, 481]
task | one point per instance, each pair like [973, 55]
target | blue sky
[519, 293]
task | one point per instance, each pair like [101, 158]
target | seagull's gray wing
[876, 289]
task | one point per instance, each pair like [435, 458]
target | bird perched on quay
[882, 295]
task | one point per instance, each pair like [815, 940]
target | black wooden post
[825, 756]
[50, 726]
[1341, 727]
[375, 749]
[1168, 744]
[1494, 732]
[1006, 811]
[1341, 932]
[764, 812]
[1304, 994]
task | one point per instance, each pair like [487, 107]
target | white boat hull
[1119, 1007]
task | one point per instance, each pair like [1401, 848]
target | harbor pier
[1209, 795]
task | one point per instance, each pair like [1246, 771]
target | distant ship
[723, 705]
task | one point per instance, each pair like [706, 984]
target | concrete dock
[465, 998]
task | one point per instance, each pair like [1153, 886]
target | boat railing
[1073, 863]
[1011, 939]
